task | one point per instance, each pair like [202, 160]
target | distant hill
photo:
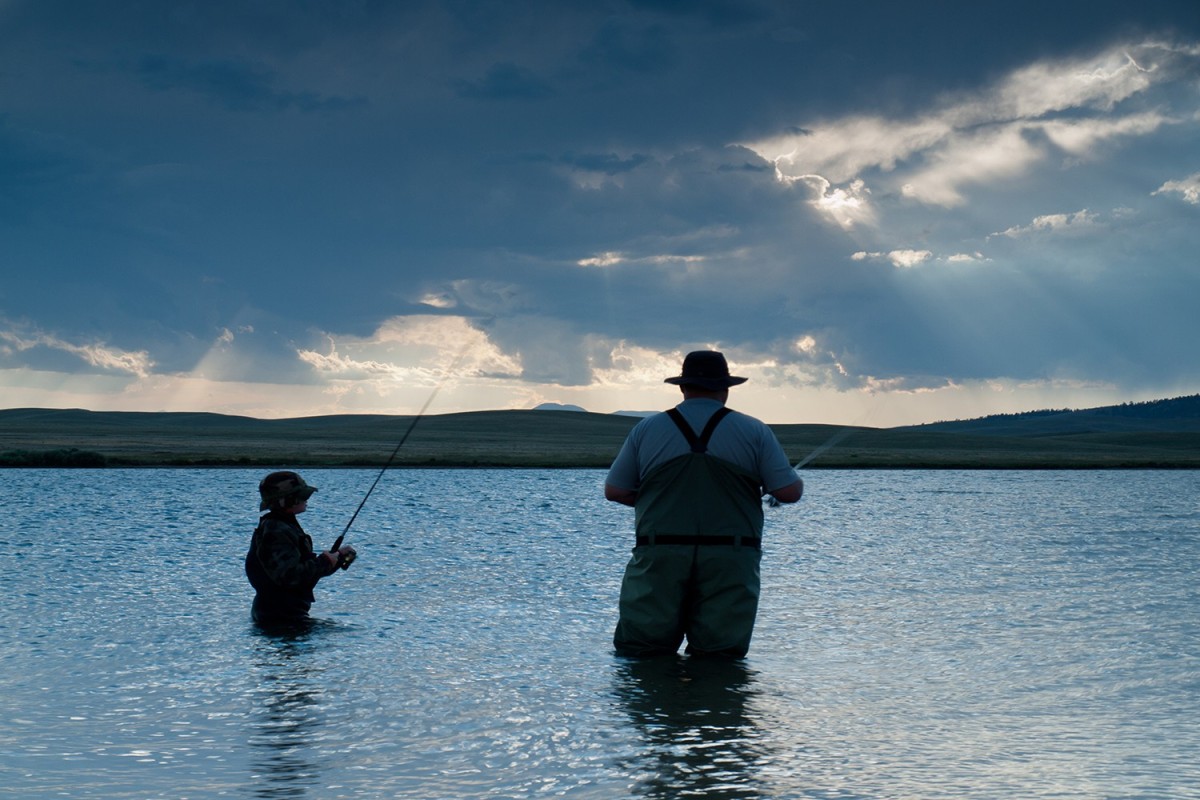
[1164, 434]
[1176, 415]
[70, 437]
[568, 407]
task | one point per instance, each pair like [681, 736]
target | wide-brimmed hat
[281, 485]
[707, 369]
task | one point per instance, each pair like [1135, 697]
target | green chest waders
[695, 570]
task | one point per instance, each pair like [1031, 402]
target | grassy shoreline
[525, 439]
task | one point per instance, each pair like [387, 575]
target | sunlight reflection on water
[922, 634]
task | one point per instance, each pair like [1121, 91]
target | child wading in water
[281, 564]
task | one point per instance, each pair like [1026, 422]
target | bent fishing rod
[392, 457]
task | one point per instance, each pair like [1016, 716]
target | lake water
[921, 635]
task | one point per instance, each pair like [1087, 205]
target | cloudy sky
[883, 213]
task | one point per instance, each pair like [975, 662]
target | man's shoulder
[745, 420]
[651, 420]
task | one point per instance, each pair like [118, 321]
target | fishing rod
[392, 457]
[840, 434]
[833, 440]
[830, 442]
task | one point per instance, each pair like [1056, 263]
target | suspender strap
[698, 444]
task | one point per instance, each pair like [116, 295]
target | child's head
[283, 490]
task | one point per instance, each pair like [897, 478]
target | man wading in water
[695, 476]
[281, 564]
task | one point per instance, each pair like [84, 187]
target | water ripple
[922, 635]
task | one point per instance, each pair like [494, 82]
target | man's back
[697, 492]
[739, 439]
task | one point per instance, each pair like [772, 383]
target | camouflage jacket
[281, 558]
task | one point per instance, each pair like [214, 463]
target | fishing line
[449, 371]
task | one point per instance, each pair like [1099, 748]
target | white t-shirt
[739, 439]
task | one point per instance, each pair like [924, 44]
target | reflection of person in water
[701, 740]
[284, 741]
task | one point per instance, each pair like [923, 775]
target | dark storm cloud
[505, 82]
[236, 86]
[565, 177]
